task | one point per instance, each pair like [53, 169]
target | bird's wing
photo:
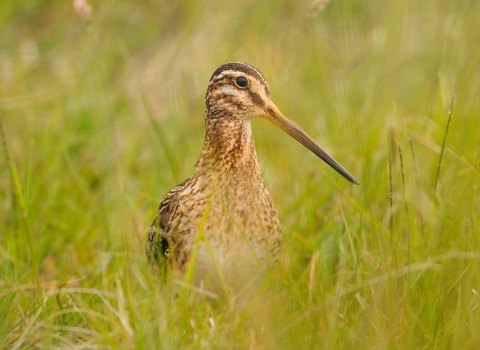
[159, 240]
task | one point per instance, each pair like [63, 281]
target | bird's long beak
[276, 117]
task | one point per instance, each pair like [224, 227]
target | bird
[223, 218]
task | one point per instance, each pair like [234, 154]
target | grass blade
[450, 112]
[19, 200]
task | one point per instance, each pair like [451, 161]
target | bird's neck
[229, 148]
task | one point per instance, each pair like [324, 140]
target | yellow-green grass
[103, 115]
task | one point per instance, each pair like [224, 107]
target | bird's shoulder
[169, 202]
[159, 242]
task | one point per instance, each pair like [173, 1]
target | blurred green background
[102, 110]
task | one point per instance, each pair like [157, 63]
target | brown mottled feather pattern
[241, 219]
[226, 195]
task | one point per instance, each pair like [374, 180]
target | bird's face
[238, 90]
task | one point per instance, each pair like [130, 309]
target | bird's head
[238, 90]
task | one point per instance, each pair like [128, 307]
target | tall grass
[103, 114]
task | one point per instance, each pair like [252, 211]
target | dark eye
[241, 82]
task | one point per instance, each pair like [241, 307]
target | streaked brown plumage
[226, 199]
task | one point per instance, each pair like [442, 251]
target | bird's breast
[228, 222]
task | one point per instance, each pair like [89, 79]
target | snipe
[223, 215]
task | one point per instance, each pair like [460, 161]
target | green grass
[102, 117]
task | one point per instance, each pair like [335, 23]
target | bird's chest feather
[236, 219]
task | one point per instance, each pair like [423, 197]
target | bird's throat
[229, 148]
